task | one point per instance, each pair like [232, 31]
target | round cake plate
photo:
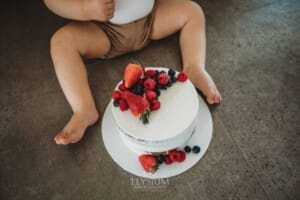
[128, 160]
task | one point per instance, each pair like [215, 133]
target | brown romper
[129, 37]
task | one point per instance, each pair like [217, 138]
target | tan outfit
[129, 37]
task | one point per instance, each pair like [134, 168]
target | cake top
[178, 109]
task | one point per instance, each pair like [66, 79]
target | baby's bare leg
[187, 16]
[68, 44]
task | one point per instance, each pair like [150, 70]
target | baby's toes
[210, 99]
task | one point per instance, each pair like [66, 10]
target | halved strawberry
[138, 105]
[132, 74]
[148, 162]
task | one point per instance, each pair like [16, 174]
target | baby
[108, 28]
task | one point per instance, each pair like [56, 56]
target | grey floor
[253, 54]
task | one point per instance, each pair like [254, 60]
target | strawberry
[163, 78]
[181, 157]
[168, 160]
[132, 74]
[150, 72]
[182, 77]
[123, 105]
[122, 87]
[149, 163]
[155, 105]
[150, 95]
[138, 105]
[116, 95]
[149, 84]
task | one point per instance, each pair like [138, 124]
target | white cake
[168, 128]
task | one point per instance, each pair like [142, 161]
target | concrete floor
[253, 55]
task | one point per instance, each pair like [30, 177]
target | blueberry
[187, 149]
[171, 72]
[160, 159]
[116, 103]
[173, 79]
[196, 149]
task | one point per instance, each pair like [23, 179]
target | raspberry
[116, 95]
[155, 105]
[123, 105]
[168, 160]
[149, 84]
[150, 95]
[174, 155]
[181, 156]
[163, 78]
[150, 72]
[182, 77]
[122, 87]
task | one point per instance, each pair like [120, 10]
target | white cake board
[128, 160]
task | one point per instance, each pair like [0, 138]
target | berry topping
[182, 77]
[123, 105]
[150, 95]
[163, 78]
[196, 149]
[116, 103]
[155, 105]
[171, 72]
[187, 149]
[169, 84]
[168, 160]
[132, 74]
[116, 95]
[149, 163]
[149, 84]
[160, 159]
[138, 105]
[150, 73]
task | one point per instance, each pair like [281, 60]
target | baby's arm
[83, 10]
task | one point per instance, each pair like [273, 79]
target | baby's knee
[194, 11]
[61, 39]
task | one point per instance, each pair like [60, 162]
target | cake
[167, 126]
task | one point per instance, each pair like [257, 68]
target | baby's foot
[203, 81]
[75, 128]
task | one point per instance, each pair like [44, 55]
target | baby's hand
[105, 9]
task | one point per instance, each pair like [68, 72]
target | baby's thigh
[86, 37]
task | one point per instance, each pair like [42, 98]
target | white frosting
[127, 11]
[168, 127]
